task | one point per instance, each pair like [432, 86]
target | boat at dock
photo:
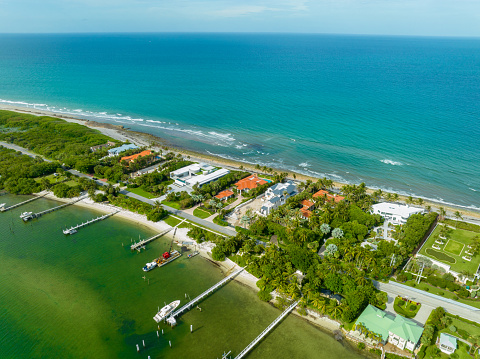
[165, 311]
[2, 205]
[149, 266]
[26, 216]
[167, 257]
[69, 231]
[191, 255]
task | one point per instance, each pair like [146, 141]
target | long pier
[267, 330]
[197, 299]
[148, 240]
[73, 230]
[39, 214]
[4, 209]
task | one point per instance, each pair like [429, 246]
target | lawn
[175, 205]
[141, 192]
[451, 252]
[465, 329]
[462, 352]
[171, 221]
[405, 308]
[200, 213]
[454, 247]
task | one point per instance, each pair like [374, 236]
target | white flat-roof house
[276, 195]
[197, 173]
[395, 213]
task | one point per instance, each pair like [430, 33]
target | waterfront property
[132, 158]
[395, 213]
[447, 343]
[225, 195]
[276, 196]
[197, 174]
[306, 208]
[250, 182]
[117, 150]
[332, 197]
[402, 332]
[99, 147]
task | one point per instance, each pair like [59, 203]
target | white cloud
[277, 6]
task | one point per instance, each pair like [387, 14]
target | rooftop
[134, 157]
[395, 209]
[448, 340]
[382, 323]
[223, 194]
[250, 182]
[328, 195]
[122, 148]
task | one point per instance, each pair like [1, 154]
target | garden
[406, 308]
[450, 246]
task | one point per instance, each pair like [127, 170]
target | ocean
[398, 113]
[85, 296]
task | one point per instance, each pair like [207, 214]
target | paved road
[21, 149]
[225, 230]
[431, 300]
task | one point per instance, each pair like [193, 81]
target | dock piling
[170, 343]
[138, 348]
[143, 342]
[191, 328]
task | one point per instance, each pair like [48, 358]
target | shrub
[220, 221]
[265, 296]
[441, 293]
[361, 346]
[413, 307]
[401, 303]
[452, 328]
[427, 289]
[463, 292]
[454, 356]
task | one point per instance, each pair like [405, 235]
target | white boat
[26, 216]
[2, 205]
[69, 231]
[149, 266]
[165, 311]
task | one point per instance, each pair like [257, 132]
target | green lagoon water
[83, 296]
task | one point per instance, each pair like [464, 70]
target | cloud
[277, 6]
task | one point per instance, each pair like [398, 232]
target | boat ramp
[74, 229]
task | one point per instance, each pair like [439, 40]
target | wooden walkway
[267, 330]
[39, 214]
[78, 226]
[4, 209]
[148, 240]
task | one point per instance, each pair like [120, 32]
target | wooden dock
[267, 330]
[73, 230]
[148, 240]
[4, 209]
[39, 214]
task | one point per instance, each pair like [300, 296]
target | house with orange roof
[130, 159]
[306, 209]
[224, 195]
[329, 196]
[250, 182]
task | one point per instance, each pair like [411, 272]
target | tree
[325, 228]
[458, 216]
[442, 212]
[337, 233]
[331, 249]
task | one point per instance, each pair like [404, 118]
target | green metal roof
[382, 322]
[448, 340]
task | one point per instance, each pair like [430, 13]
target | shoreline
[246, 279]
[120, 133]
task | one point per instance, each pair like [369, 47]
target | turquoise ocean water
[398, 113]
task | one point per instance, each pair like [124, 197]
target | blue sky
[389, 17]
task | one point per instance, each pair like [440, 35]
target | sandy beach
[145, 139]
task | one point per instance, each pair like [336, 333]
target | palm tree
[335, 309]
[319, 302]
[442, 212]
[395, 197]
[458, 216]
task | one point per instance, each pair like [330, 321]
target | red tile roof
[305, 212]
[134, 157]
[329, 196]
[223, 194]
[250, 182]
[307, 204]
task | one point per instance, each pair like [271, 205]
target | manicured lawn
[200, 213]
[454, 247]
[463, 327]
[451, 252]
[171, 221]
[462, 351]
[406, 309]
[171, 204]
[141, 192]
